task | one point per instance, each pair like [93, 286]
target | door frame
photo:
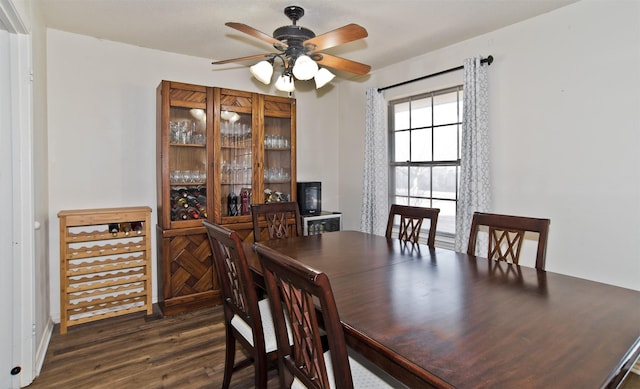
[23, 235]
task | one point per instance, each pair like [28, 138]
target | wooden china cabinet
[219, 151]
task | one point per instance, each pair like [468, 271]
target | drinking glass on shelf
[174, 132]
[198, 139]
[175, 176]
[224, 130]
[183, 132]
[225, 171]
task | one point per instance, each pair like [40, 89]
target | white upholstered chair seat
[269, 331]
[361, 376]
[270, 342]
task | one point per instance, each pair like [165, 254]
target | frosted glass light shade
[323, 77]
[234, 118]
[198, 113]
[262, 71]
[229, 116]
[226, 115]
[285, 83]
[305, 68]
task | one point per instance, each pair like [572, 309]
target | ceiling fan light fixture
[305, 68]
[323, 77]
[300, 51]
[262, 71]
[284, 83]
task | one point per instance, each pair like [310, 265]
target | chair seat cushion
[245, 330]
[361, 376]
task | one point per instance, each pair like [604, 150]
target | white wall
[564, 126]
[101, 122]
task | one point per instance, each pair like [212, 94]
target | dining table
[433, 317]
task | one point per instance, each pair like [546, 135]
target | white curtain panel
[375, 191]
[474, 192]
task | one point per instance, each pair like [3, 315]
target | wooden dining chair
[247, 319]
[411, 219]
[506, 235]
[280, 221]
[294, 289]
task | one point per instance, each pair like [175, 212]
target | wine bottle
[232, 200]
[193, 213]
[114, 228]
[244, 202]
[201, 199]
[182, 214]
[193, 202]
[137, 227]
[126, 228]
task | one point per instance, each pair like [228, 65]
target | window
[424, 147]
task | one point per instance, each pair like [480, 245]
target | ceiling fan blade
[248, 58]
[343, 64]
[256, 34]
[345, 34]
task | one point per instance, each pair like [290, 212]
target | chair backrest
[506, 235]
[237, 287]
[411, 219]
[282, 221]
[300, 288]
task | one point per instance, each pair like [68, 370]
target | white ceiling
[398, 29]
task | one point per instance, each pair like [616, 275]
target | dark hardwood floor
[135, 351]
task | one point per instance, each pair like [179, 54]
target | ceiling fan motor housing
[293, 34]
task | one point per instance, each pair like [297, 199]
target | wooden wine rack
[103, 274]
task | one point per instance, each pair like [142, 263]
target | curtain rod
[487, 60]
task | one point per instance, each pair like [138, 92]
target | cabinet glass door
[187, 164]
[278, 170]
[236, 163]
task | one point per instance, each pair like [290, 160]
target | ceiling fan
[299, 50]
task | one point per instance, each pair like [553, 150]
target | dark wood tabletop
[438, 317]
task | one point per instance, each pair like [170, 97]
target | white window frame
[411, 199]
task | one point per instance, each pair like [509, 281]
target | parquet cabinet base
[187, 279]
[103, 274]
